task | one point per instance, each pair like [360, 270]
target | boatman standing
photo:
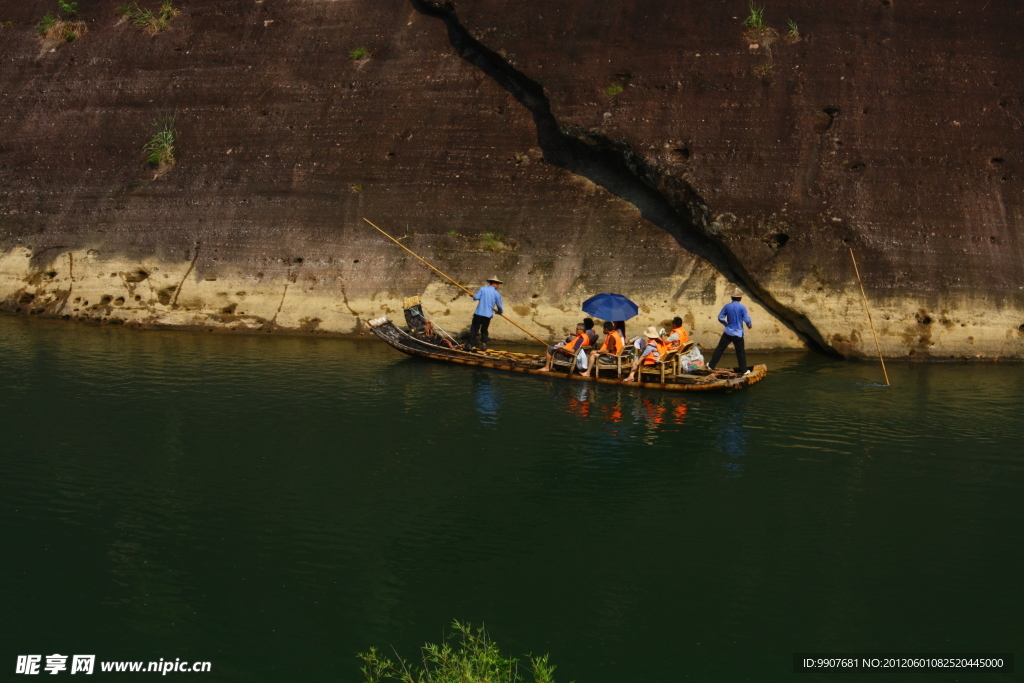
[490, 301]
[734, 315]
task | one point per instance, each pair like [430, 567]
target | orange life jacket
[612, 343]
[570, 346]
[660, 346]
[683, 338]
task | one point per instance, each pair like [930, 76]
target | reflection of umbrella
[610, 307]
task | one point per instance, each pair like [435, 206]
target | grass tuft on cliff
[148, 20]
[161, 148]
[755, 20]
[358, 53]
[466, 656]
[793, 33]
[613, 90]
[490, 241]
[54, 30]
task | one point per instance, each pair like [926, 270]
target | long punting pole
[449, 279]
[868, 309]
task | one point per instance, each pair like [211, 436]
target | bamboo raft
[424, 340]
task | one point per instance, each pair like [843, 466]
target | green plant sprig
[152, 22]
[755, 21]
[47, 22]
[161, 148]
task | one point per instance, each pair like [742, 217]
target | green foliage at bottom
[466, 656]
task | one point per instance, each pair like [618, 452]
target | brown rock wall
[285, 143]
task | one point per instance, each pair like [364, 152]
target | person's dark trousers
[479, 328]
[741, 353]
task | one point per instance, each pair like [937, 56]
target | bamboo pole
[870, 321]
[450, 279]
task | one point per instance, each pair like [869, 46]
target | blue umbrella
[610, 307]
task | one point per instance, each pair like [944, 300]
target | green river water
[276, 505]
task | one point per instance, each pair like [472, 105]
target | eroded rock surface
[649, 148]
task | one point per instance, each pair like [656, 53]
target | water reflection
[488, 398]
[732, 439]
[579, 401]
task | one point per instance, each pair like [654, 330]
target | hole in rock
[165, 294]
[859, 166]
[26, 298]
[356, 261]
[136, 276]
[825, 119]
[684, 152]
[997, 160]
[119, 301]
[778, 240]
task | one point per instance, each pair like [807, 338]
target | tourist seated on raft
[653, 351]
[567, 349]
[588, 327]
[612, 347]
[678, 337]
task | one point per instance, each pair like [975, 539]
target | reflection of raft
[428, 341]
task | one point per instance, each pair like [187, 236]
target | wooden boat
[423, 339]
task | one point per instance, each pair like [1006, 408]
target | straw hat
[495, 280]
[736, 293]
[652, 332]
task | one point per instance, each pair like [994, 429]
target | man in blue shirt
[734, 315]
[490, 300]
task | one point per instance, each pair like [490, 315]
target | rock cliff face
[657, 149]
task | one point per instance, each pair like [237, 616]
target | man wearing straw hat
[734, 315]
[490, 300]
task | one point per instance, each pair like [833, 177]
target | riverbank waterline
[275, 505]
